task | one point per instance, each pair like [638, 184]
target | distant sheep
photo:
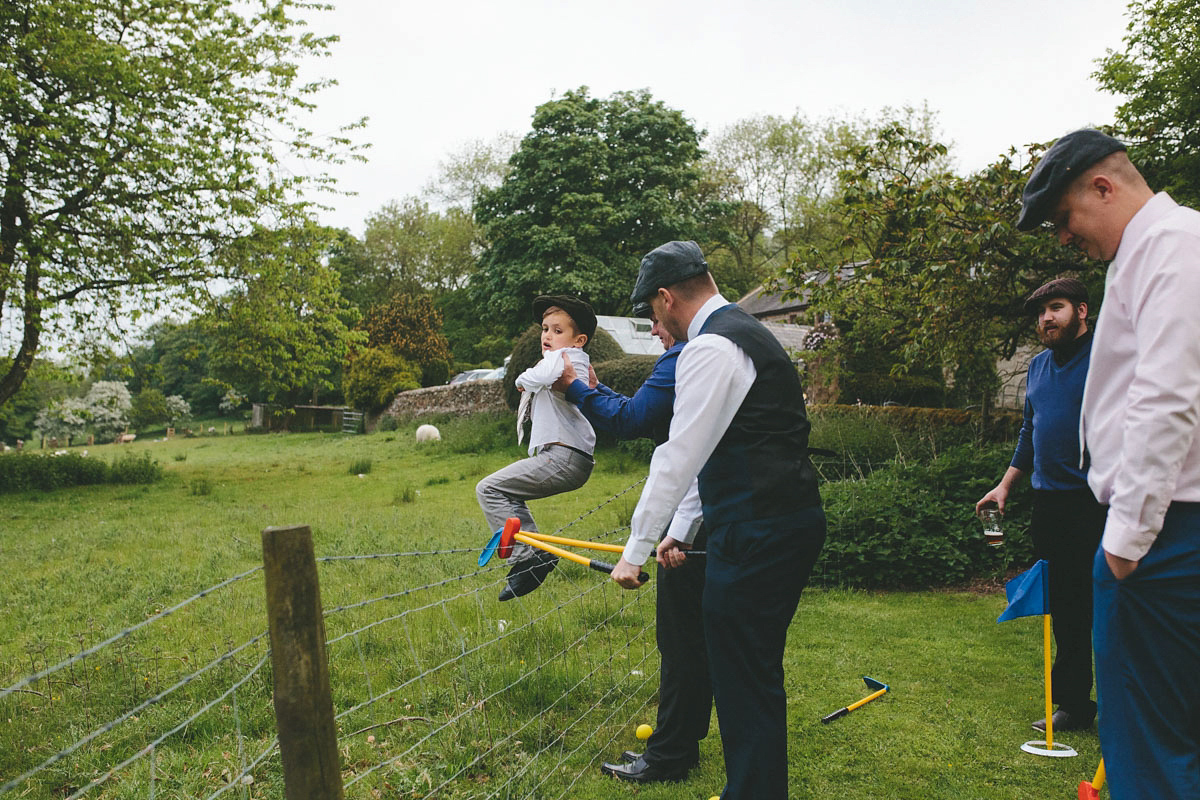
[428, 433]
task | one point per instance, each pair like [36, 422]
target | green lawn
[523, 699]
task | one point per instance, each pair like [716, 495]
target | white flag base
[1059, 750]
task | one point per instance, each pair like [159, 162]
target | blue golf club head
[490, 548]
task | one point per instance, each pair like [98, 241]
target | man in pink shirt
[1141, 410]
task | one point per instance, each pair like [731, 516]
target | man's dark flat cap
[667, 265]
[1063, 162]
[581, 312]
[1070, 288]
[642, 310]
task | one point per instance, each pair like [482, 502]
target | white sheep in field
[428, 433]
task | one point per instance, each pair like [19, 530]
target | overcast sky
[432, 76]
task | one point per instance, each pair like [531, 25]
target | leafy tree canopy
[138, 138]
[939, 270]
[594, 186]
[282, 333]
[1159, 75]
[409, 325]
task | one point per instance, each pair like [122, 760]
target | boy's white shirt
[554, 418]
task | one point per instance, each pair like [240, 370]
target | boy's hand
[626, 574]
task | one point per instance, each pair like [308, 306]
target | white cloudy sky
[433, 75]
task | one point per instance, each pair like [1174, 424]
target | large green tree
[137, 138]
[939, 269]
[1158, 75]
[594, 186]
[283, 332]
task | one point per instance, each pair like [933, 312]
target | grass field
[559, 679]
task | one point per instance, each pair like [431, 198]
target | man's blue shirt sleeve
[631, 417]
[1023, 456]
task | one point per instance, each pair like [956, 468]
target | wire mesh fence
[439, 690]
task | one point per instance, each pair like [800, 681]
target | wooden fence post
[303, 702]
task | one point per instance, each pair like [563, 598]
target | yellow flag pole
[1049, 702]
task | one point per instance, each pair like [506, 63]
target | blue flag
[1028, 593]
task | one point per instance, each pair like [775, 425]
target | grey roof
[789, 335]
[632, 333]
[767, 300]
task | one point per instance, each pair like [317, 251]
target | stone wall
[460, 398]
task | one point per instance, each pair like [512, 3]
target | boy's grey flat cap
[667, 265]
[1064, 161]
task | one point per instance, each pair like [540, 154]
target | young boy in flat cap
[1138, 425]
[561, 440]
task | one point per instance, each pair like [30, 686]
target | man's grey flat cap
[1064, 161]
[666, 265]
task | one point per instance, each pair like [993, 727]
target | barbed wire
[75, 659]
[428, 668]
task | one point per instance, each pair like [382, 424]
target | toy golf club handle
[599, 566]
[545, 537]
[602, 566]
[841, 712]
[866, 700]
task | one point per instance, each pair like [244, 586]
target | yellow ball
[643, 731]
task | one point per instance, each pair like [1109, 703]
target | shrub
[24, 471]
[880, 387]
[867, 437]
[375, 375]
[625, 374]
[132, 468]
[913, 525]
[149, 409]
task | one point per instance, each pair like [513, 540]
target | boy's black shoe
[527, 575]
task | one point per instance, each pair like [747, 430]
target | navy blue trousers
[1147, 638]
[756, 572]
[685, 697]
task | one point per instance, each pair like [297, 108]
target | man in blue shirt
[684, 688]
[1067, 521]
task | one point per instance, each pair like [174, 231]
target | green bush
[879, 387]
[23, 471]
[865, 438]
[376, 375]
[130, 468]
[625, 374]
[912, 525]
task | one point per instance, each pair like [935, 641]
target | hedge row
[914, 526]
[23, 471]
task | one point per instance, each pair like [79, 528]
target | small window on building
[642, 327]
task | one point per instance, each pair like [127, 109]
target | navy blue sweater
[1049, 441]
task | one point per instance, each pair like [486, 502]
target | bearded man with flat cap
[1138, 426]
[739, 429]
[1067, 521]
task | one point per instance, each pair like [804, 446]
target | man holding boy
[1141, 410]
[684, 687]
[1067, 521]
[740, 427]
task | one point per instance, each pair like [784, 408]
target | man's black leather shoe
[640, 772]
[1065, 721]
[630, 756]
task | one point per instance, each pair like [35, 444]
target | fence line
[477, 703]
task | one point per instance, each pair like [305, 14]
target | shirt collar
[706, 311]
[1155, 209]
